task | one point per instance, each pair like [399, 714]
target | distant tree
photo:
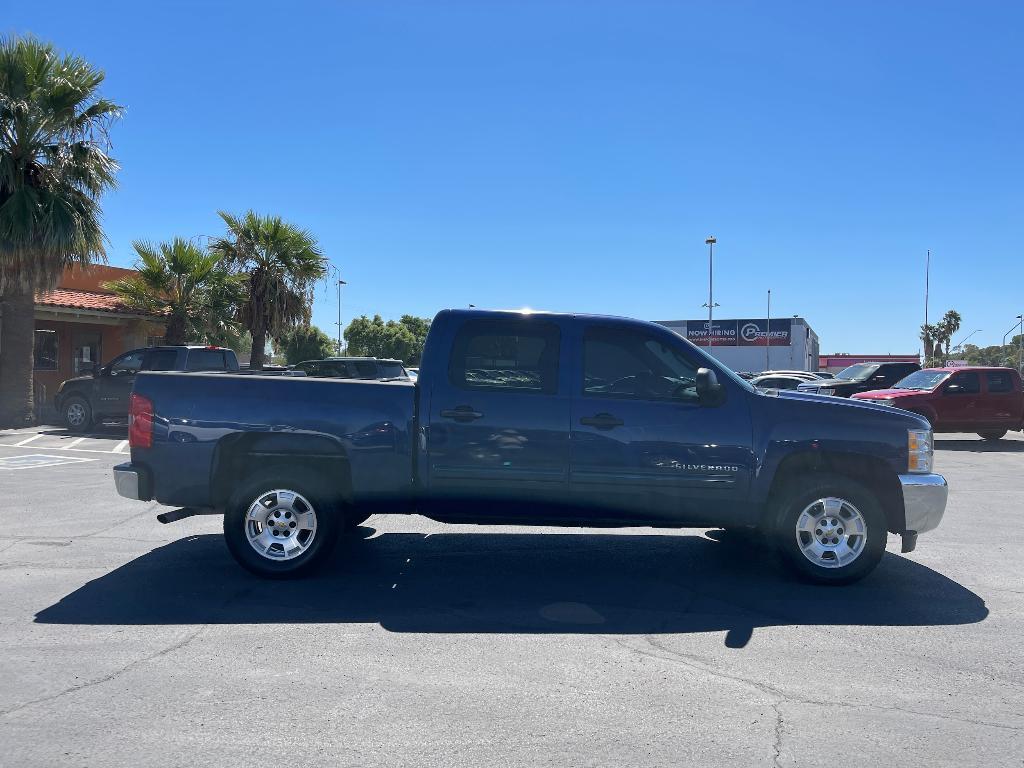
[928, 333]
[402, 340]
[306, 342]
[54, 169]
[187, 285]
[281, 263]
[944, 330]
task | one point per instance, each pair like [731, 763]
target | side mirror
[709, 390]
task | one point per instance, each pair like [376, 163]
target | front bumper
[924, 501]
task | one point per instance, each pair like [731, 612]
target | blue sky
[575, 155]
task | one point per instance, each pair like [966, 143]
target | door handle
[461, 413]
[601, 421]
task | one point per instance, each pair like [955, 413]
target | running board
[180, 514]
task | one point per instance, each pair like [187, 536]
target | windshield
[857, 372]
[922, 380]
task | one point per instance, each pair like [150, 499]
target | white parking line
[74, 442]
[119, 448]
[28, 440]
[58, 448]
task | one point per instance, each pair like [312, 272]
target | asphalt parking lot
[127, 642]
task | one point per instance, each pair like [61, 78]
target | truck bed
[364, 428]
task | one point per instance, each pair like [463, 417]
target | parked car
[534, 419]
[87, 400]
[353, 368]
[862, 377]
[805, 375]
[988, 401]
[414, 373]
[777, 381]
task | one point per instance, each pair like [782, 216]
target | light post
[1020, 343]
[965, 338]
[768, 337]
[710, 242]
[340, 283]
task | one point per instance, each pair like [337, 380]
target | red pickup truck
[988, 401]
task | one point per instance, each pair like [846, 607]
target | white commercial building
[754, 344]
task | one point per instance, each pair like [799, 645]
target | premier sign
[741, 333]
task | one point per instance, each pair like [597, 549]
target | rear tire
[829, 529]
[283, 522]
[77, 414]
[992, 434]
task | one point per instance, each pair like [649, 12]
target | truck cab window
[206, 360]
[127, 365]
[159, 360]
[633, 365]
[969, 383]
[515, 355]
[999, 381]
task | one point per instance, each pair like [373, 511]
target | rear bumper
[924, 501]
[132, 482]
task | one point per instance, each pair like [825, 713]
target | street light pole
[340, 283]
[927, 277]
[1020, 343]
[965, 338]
[710, 242]
[768, 337]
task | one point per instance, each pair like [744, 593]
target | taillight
[140, 422]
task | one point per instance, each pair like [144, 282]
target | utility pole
[710, 242]
[768, 337]
[1020, 343]
[927, 275]
[340, 283]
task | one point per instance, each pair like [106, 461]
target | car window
[634, 365]
[363, 369]
[159, 359]
[969, 383]
[391, 370]
[506, 355]
[999, 381]
[128, 364]
[206, 360]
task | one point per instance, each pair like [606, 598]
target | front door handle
[461, 413]
[601, 421]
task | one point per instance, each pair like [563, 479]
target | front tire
[282, 523]
[992, 434]
[830, 529]
[77, 414]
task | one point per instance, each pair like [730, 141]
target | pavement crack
[108, 677]
[667, 654]
[777, 745]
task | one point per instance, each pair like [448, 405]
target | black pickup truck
[524, 418]
[86, 400]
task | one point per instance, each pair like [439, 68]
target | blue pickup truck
[528, 418]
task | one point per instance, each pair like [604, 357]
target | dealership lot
[125, 642]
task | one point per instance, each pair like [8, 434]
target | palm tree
[54, 167]
[187, 285]
[281, 263]
[944, 330]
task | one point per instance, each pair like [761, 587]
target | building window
[45, 350]
[154, 341]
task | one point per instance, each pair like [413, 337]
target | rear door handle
[601, 421]
[461, 413]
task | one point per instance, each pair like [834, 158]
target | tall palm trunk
[17, 336]
[259, 345]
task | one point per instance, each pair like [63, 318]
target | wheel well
[238, 456]
[869, 471]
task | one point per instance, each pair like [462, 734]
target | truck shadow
[515, 583]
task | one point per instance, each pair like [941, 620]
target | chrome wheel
[75, 414]
[280, 524]
[831, 532]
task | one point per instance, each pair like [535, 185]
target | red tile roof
[91, 300]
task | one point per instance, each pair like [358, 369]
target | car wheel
[992, 434]
[77, 414]
[282, 523]
[830, 529]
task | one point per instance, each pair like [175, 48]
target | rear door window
[999, 381]
[160, 360]
[520, 356]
